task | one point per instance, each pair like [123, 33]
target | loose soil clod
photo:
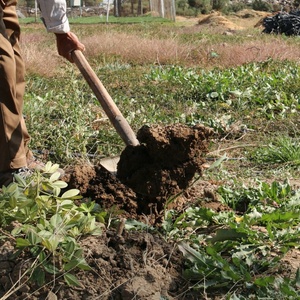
[148, 175]
[166, 161]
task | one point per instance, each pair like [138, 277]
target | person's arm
[54, 16]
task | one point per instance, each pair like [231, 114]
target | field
[222, 223]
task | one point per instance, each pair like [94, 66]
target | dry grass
[230, 55]
[39, 57]
[135, 49]
[139, 49]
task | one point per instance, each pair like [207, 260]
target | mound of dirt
[95, 182]
[125, 264]
[251, 13]
[166, 161]
[241, 20]
[216, 19]
[149, 174]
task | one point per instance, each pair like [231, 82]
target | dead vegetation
[246, 43]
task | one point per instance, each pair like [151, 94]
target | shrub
[261, 5]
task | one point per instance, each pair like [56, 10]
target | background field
[238, 227]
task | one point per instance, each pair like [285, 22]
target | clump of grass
[39, 53]
[282, 150]
[136, 49]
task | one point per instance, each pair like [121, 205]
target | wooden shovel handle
[108, 105]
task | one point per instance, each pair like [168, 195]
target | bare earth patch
[244, 19]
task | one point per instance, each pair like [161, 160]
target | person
[14, 138]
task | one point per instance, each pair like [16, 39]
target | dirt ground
[135, 264]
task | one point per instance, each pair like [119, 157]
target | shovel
[113, 113]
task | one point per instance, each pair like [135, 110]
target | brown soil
[136, 265]
[162, 166]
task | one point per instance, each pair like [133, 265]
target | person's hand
[66, 43]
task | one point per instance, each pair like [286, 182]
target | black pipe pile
[283, 23]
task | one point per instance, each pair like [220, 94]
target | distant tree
[132, 2]
[117, 8]
[219, 4]
[182, 4]
[203, 6]
[261, 5]
[30, 3]
[140, 8]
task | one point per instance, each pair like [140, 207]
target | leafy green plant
[244, 87]
[76, 126]
[237, 196]
[231, 251]
[49, 223]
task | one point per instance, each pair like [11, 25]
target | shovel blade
[110, 164]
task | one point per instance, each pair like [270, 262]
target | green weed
[281, 150]
[49, 223]
[217, 98]
[239, 254]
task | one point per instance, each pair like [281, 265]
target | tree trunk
[116, 8]
[139, 9]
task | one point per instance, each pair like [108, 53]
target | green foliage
[234, 7]
[266, 88]
[203, 6]
[183, 8]
[238, 196]
[219, 4]
[97, 20]
[261, 5]
[119, 20]
[75, 125]
[30, 3]
[281, 150]
[49, 223]
[229, 251]
[70, 132]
